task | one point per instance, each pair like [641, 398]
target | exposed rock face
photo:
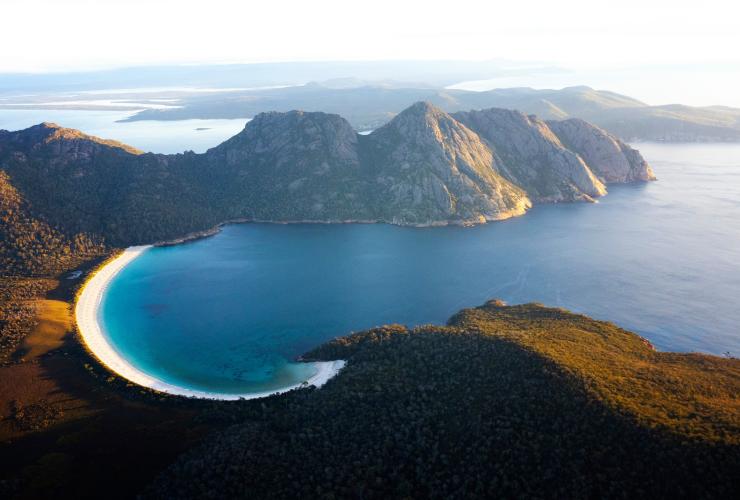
[425, 167]
[609, 158]
[533, 156]
[431, 168]
[421, 168]
[312, 142]
[294, 166]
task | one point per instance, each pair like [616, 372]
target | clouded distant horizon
[659, 51]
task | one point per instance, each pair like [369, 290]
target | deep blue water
[228, 313]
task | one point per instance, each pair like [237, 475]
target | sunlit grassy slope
[693, 395]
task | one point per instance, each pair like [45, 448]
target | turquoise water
[229, 313]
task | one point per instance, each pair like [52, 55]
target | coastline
[214, 230]
[95, 341]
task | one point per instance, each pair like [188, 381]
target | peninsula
[424, 168]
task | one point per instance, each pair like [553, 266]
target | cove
[230, 313]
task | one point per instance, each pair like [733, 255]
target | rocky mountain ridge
[425, 167]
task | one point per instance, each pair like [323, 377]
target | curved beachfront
[93, 336]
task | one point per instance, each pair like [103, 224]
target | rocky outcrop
[607, 156]
[431, 168]
[293, 166]
[533, 156]
[315, 143]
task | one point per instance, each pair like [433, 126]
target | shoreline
[96, 342]
[214, 230]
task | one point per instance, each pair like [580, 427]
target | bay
[231, 312]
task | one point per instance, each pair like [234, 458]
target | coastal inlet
[230, 314]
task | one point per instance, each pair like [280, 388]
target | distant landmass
[439, 73]
[368, 106]
[67, 192]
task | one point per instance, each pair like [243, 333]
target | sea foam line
[91, 332]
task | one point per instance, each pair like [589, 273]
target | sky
[589, 36]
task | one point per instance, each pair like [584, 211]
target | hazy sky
[590, 35]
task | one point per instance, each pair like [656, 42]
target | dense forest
[523, 401]
[29, 246]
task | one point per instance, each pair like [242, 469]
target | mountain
[293, 166]
[82, 184]
[429, 166]
[425, 167]
[369, 106]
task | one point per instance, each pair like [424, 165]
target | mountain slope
[293, 166]
[430, 167]
[30, 246]
[608, 157]
[535, 158]
[82, 184]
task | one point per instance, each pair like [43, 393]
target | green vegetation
[29, 246]
[691, 395]
[519, 401]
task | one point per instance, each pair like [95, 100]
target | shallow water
[228, 313]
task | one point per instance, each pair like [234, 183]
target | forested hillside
[30, 246]
[522, 401]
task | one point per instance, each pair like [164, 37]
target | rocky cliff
[425, 167]
[609, 158]
[534, 157]
[430, 168]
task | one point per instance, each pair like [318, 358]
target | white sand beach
[86, 314]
